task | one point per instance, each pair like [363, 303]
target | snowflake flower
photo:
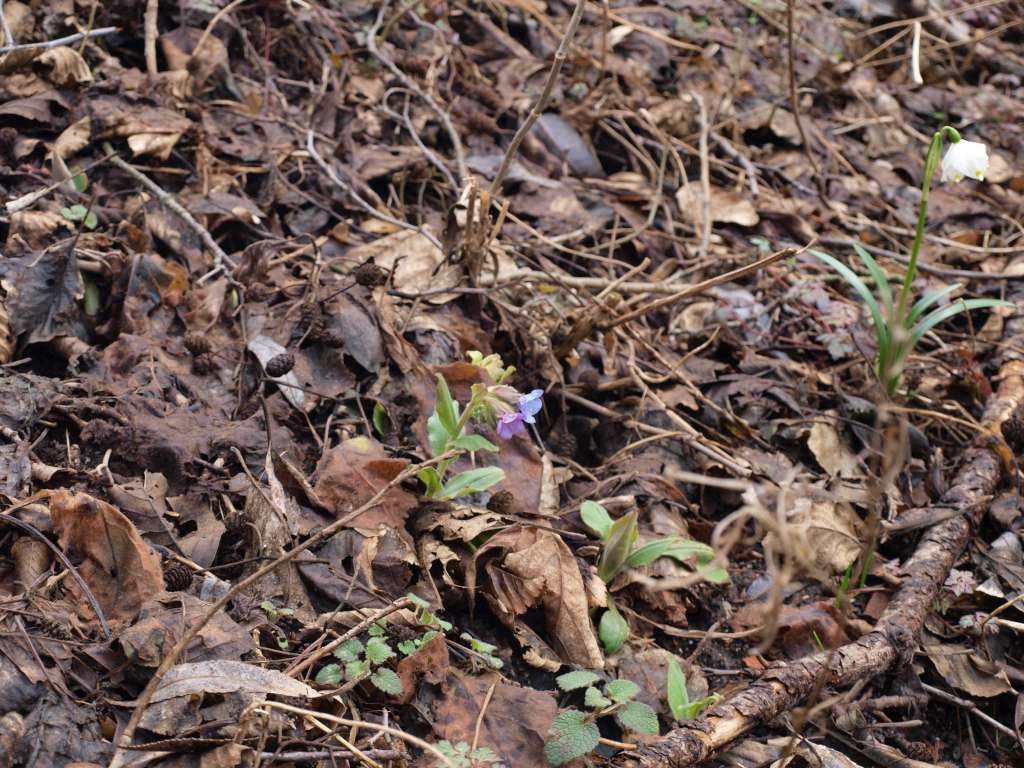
[965, 158]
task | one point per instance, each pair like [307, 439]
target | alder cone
[280, 364]
[177, 576]
[197, 343]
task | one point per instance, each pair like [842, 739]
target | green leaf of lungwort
[579, 678]
[571, 735]
[621, 690]
[637, 716]
[678, 697]
[432, 480]
[446, 408]
[613, 629]
[387, 681]
[675, 547]
[473, 443]
[621, 538]
[596, 518]
[471, 481]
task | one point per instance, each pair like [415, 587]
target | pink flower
[510, 424]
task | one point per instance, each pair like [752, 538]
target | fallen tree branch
[785, 685]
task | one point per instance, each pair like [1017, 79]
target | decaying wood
[785, 685]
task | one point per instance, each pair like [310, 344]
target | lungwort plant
[899, 326]
[498, 405]
[619, 552]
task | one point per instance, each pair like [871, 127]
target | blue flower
[530, 405]
[511, 424]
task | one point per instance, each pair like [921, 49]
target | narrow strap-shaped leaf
[851, 277]
[926, 301]
[963, 305]
[881, 281]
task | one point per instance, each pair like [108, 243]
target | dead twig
[152, 12]
[359, 200]
[220, 258]
[57, 43]
[542, 100]
[698, 288]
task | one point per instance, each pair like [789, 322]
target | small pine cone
[370, 275]
[501, 502]
[280, 364]
[313, 319]
[332, 339]
[204, 364]
[1013, 434]
[197, 344]
[177, 576]
[921, 750]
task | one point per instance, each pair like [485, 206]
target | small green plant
[425, 617]
[496, 404]
[359, 662]
[679, 703]
[273, 612]
[575, 733]
[484, 651]
[463, 755]
[619, 551]
[79, 213]
[899, 326]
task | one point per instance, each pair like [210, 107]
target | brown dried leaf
[351, 473]
[727, 207]
[514, 724]
[537, 567]
[120, 568]
[67, 67]
[831, 451]
[205, 677]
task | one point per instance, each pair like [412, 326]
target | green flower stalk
[898, 327]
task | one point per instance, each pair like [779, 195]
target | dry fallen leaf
[120, 568]
[727, 207]
[67, 67]
[537, 568]
[831, 451]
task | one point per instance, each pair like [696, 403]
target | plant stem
[930, 164]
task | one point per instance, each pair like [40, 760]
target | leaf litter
[242, 244]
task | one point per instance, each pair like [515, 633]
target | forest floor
[457, 383]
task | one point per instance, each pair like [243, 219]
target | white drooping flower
[965, 158]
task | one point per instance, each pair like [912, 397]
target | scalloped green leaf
[571, 735]
[387, 681]
[637, 716]
[329, 675]
[580, 678]
[593, 699]
[621, 690]
[348, 651]
[378, 651]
